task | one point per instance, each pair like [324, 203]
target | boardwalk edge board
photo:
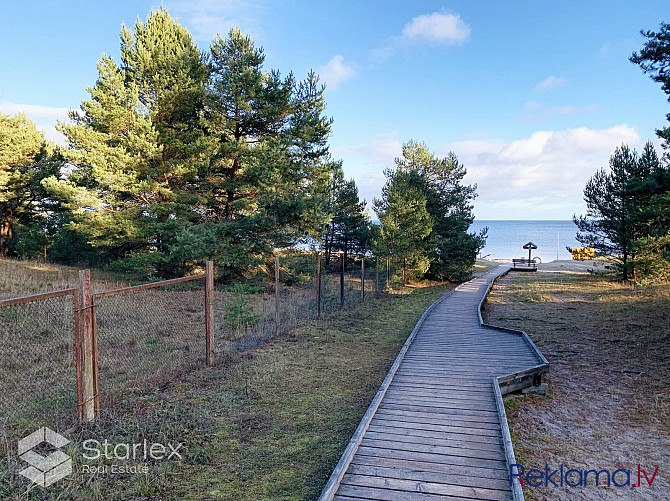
[342, 465]
[542, 368]
[517, 492]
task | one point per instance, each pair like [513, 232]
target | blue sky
[532, 96]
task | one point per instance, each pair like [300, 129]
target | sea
[507, 238]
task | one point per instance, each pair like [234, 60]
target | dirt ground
[608, 406]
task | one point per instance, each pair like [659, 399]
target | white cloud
[382, 149]
[45, 117]
[437, 28]
[541, 176]
[535, 112]
[619, 48]
[547, 170]
[335, 71]
[208, 18]
[549, 83]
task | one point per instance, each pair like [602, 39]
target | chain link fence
[146, 336]
[76, 355]
[38, 376]
[38, 369]
[249, 314]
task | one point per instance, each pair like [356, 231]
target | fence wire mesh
[148, 337]
[247, 314]
[38, 381]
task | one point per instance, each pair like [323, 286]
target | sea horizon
[506, 238]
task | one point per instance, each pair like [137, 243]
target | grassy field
[608, 346]
[264, 424]
[21, 278]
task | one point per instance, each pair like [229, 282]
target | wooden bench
[524, 264]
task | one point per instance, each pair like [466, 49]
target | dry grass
[22, 278]
[608, 346]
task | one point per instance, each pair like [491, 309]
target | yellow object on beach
[581, 253]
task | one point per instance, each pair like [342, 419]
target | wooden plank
[153, 285]
[89, 366]
[449, 411]
[452, 426]
[386, 442]
[433, 457]
[438, 420]
[507, 441]
[410, 429]
[277, 294]
[414, 486]
[209, 313]
[427, 472]
[36, 297]
[375, 494]
[441, 403]
[447, 470]
[451, 440]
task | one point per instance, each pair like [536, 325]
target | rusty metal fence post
[341, 280]
[277, 294]
[90, 404]
[363, 278]
[77, 354]
[318, 284]
[388, 272]
[209, 313]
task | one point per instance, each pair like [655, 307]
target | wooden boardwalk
[437, 427]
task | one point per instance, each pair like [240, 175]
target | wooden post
[89, 356]
[277, 294]
[209, 313]
[341, 280]
[363, 277]
[318, 284]
[377, 275]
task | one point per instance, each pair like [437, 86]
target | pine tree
[138, 147]
[654, 59]
[406, 224]
[450, 204]
[20, 147]
[618, 202]
[348, 231]
[652, 248]
[449, 249]
[266, 184]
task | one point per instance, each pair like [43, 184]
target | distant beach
[506, 238]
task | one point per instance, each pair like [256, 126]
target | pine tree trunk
[329, 243]
[230, 194]
[5, 229]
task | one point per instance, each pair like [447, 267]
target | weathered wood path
[437, 427]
